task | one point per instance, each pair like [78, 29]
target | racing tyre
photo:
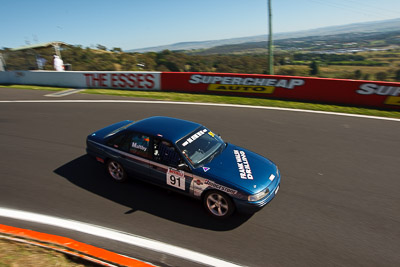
[218, 204]
[116, 171]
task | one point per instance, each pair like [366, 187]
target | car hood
[241, 168]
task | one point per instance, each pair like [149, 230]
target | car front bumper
[245, 206]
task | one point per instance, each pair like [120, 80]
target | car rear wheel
[218, 204]
[116, 171]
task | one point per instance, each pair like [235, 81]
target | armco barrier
[334, 91]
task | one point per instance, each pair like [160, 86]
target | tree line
[102, 59]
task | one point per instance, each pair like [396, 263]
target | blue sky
[132, 24]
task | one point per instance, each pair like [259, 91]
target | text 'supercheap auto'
[187, 157]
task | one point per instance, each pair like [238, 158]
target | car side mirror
[183, 167]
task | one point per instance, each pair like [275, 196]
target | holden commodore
[187, 157]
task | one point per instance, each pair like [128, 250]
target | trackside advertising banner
[334, 91]
[129, 80]
[123, 80]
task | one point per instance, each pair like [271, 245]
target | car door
[164, 167]
[133, 151]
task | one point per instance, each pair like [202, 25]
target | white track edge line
[116, 235]
[201, 104]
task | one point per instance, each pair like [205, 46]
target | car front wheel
[116, 171]
[218, 204]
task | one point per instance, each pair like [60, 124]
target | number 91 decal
[176, 178]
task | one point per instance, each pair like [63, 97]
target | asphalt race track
[339, 202]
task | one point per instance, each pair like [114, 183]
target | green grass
[203, 98]
[16, 254]
[34, 87]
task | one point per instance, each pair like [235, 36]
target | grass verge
[202, 98]
[20, 254]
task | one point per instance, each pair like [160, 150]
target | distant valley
[327, 36]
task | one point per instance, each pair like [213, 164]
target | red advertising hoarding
[333, 91]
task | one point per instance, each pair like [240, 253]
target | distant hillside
[326, 44]
[366, 27]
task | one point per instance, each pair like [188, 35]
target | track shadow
[88, 174]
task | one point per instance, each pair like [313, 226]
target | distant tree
[314, 68]
[224, 68]
[381, 76]
[101, 47]
[357, 74]
[288, 71]
[172, 66]
[366, 76]
[116, 49]
[147, 59]
[397, 75]
[164, 53]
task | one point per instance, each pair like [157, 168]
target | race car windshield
[201, 146]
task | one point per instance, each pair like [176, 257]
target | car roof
[171, 129]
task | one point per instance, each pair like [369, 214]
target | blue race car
[187, 157]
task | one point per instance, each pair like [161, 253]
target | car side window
[119, 142]
[140, 145]
[165, 153]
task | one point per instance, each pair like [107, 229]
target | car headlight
[259, 195]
